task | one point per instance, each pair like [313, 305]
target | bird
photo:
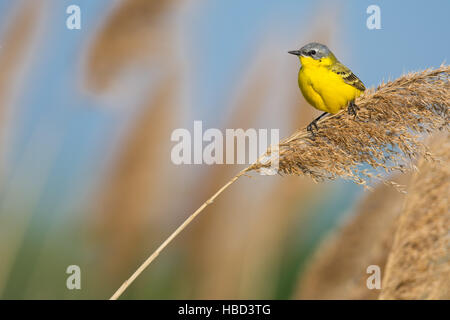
[326, 83]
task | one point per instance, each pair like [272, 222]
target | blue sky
[413, 36]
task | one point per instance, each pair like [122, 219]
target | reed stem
[186, 222]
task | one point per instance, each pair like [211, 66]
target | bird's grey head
[314, 50]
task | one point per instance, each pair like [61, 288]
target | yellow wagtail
[326, 83]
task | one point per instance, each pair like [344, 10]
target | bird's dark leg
[352, 108]
[314, 123]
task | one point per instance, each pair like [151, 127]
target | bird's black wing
[347, 75]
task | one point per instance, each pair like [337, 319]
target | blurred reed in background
[405, 235]
[19, 35]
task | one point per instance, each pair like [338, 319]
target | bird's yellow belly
[325, 90]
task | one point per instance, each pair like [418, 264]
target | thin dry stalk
[147, 262]
[385, 134]
[253, 92]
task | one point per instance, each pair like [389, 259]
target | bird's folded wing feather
[347, 75]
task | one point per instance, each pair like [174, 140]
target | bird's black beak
[295, 52]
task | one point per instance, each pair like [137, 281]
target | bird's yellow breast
[322, 88]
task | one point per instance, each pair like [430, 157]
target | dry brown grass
[418, 265]
[405, 235]
[385, 134]
[338, 267]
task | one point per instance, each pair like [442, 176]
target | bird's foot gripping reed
[352, 109]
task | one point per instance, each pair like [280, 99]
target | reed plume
[386, 134]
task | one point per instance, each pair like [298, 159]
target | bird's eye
[312, 52]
